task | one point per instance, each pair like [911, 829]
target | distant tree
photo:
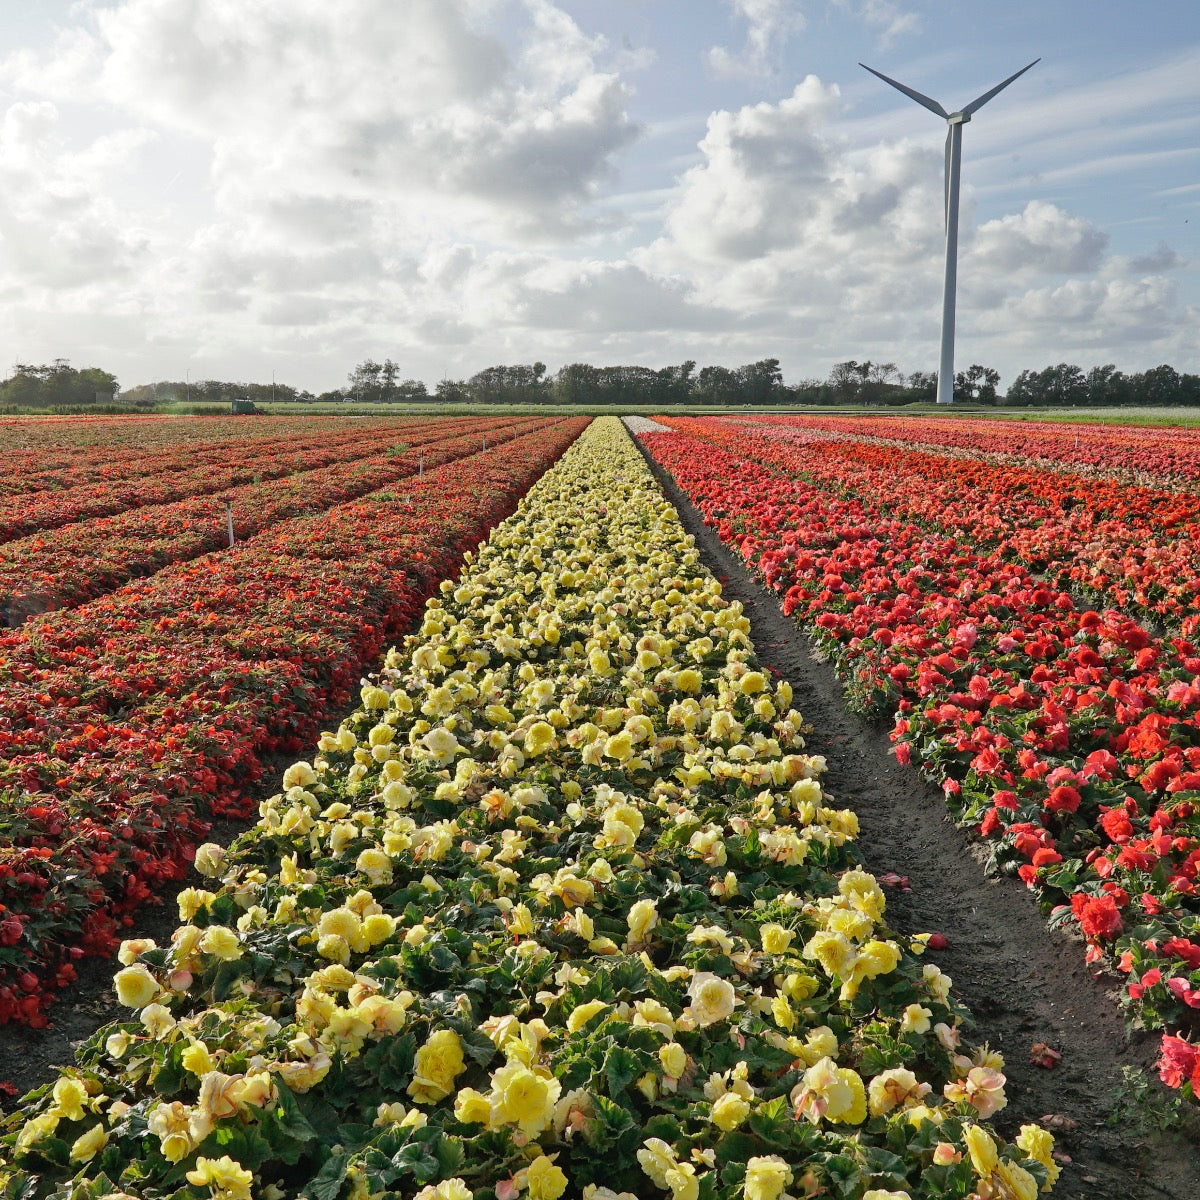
[976, 383]
[1059, 386]
[760, 381]
[717, 385]
[452, 391]
[923, 385]
[58, 385]
[520, 384]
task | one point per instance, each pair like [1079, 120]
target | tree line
[760, 383]
[57, 385]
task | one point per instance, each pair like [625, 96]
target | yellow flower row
[564, 905]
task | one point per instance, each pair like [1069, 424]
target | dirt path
[1024, 983]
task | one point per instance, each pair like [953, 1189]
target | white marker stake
[229, 520]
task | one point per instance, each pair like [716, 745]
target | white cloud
[57, 228]
[1039, 239]
[892, 21]
[413, 103]
[769, 24]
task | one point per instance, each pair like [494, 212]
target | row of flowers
[229, 467]
[1115, 541]
[79, 562]
[1067, 737]
[562, 909]
[124, 724]
[43, 454]
[1168, 455]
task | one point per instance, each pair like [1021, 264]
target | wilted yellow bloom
[895, 1087]
[171, 1124]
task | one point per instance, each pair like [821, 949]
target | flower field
[563, 909]
[128, 721]
[1029, 631]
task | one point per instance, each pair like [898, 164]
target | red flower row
[1039, 719]
[82, 561]
[25, 514]
[1165, 455]
[55, 455]
[125, 723]
[1138, 542]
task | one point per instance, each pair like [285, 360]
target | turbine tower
[956, 120]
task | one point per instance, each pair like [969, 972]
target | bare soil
[1024, 983]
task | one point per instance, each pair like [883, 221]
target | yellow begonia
[729, 1111]
[69, 1098]
[583, 1013]
[832, 1093]
[767, 1176]
[642, 918]
[775, 938]
[674, 1059]
[228, 1180]
[88, 1145]
[545, 1179]
[713, 998]
[135, 986]
[1038, 1143]
[982, 1149]
[438, 1064]
[523, 1098]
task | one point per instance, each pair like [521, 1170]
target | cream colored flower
[69, 1098]
[642, 918]
[729, 1111]
[766, 1177]
[88, 1145]
[135, 986]
[713, 998]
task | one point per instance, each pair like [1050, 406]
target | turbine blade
[977, 104]
[932, 105]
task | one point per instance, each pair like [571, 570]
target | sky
[248, 189]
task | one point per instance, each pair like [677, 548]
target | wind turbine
[956, 120]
